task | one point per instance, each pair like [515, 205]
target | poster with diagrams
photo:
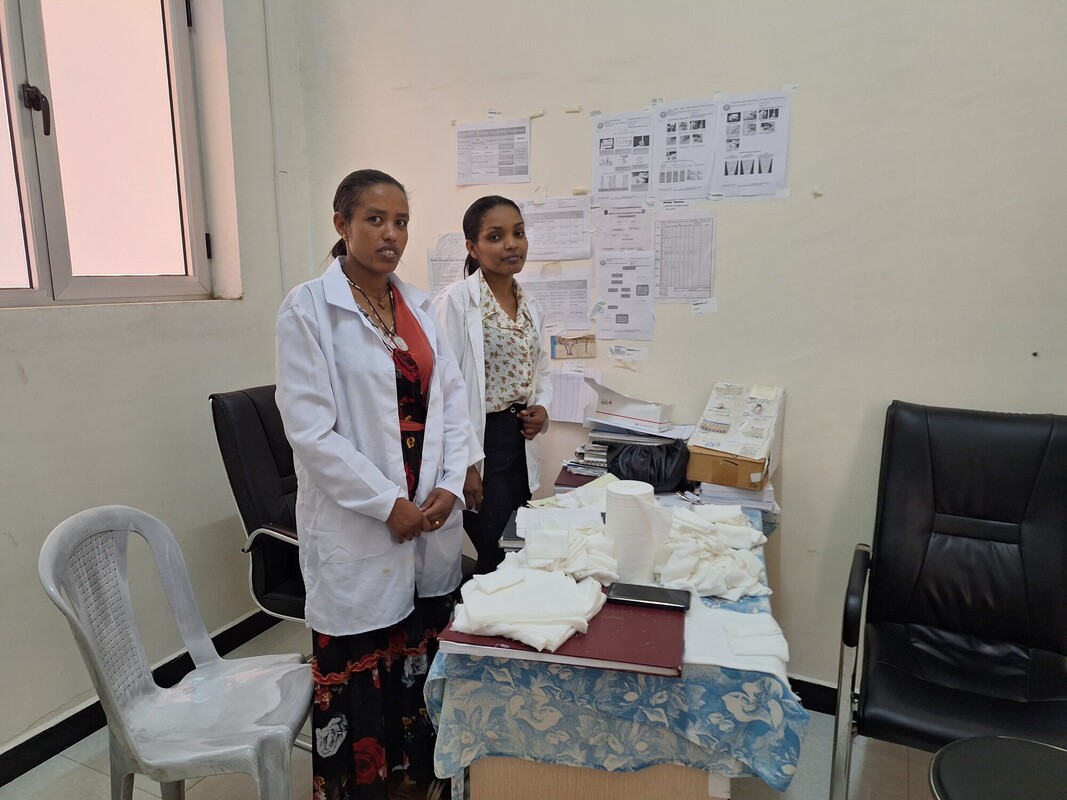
[684, 148]
[753, 145]
[684, 247]
[622, 157]
[493, 152]
[558, 229]
[624, 289]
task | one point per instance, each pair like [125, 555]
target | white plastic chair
[227, 715]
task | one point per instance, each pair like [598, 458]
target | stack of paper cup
[627, 525]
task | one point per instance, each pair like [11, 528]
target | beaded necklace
[389, 335]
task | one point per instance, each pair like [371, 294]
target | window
[100, 183]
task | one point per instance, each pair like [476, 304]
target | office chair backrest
[971, 530]
[257, 456]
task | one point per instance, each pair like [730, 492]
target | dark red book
[620, 637]
[567, 480]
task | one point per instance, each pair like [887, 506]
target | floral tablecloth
[727, 721]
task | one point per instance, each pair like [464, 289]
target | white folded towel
[737, 641]
[542, 609]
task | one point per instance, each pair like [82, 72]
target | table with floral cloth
[726, 721]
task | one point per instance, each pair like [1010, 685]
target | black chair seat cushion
[925, 687]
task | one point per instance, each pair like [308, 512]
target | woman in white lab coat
[373, 405]
[495, 330]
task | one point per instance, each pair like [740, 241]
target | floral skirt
[371, 728]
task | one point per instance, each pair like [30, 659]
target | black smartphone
[636, 594]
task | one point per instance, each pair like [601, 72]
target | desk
[722, 721]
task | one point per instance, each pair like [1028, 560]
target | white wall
[929, 269]
[108, 404]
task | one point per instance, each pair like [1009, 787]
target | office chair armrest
[282, 534]
[857, 581]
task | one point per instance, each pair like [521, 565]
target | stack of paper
[761, 500]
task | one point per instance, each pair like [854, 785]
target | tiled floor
[882, 771]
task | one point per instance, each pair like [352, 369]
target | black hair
[348, 193]
[472, 223]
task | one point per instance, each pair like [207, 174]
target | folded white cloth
[589, 496]
[737, 641]
[713, 513]
[580, 550]
[542, 609]
[495, 581]
[548, 543]
[527, 519]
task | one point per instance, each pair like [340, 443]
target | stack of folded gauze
[708, 551]
[538, 608]
[633, 523]
[565, 540]
[581, 551]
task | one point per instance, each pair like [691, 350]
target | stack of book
[620, 637]
[590, 458]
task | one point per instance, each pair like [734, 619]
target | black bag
[661, 465]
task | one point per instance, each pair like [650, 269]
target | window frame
[40, 182]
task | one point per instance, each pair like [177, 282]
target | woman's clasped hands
[408, 521]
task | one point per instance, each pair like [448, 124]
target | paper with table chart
[564, 297]
[753, 145]
[558, 229]
[624, 288]
[570, 393]
[493, 152]
[622, 156]
[684, 148]
[684, 246]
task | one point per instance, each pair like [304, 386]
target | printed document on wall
[622, 156]
[684, 148]
[752, 145]
[570, 393]
[623, 228]
[684, 244]
[564, 297]
[557, 229]
[624, 287]
[445, 261]
[493, 152]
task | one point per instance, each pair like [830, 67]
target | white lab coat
[337, 397]
[459, 310]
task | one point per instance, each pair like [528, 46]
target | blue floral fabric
[727, 721]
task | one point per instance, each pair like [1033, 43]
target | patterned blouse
[512, 350]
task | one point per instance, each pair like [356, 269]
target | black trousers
[505, 485]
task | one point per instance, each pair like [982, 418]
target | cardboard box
[726, 469]
[738, 439]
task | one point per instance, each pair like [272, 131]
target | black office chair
[259, 465]
[965, 629]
